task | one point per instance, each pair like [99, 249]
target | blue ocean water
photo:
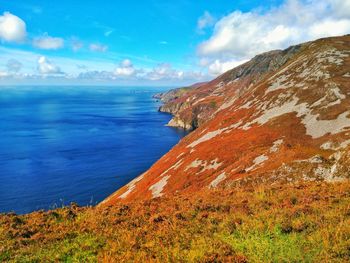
[76, 144]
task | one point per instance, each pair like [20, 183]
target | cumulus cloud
[125, 69]
[13, 65]
[218, 67]
[98, 47]
[241, 35]
[48, 42]
[164, 71]
[46, 67]
[12, 28]
[127, 72]
[206, 20]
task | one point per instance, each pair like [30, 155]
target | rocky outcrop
[173, 94]
[174, 107]
[195, 105]
[283, 116]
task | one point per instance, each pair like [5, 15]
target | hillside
[282, 117]
[263, 176]
[307, 222]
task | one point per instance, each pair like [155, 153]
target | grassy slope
[303, 222]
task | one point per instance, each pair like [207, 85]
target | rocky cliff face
[283, 116]
[195, 105]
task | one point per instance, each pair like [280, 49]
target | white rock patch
[269, 114]
[175, 166]
[318, 128]
[196, 163]
[206, 137]
[333, 56]
[276, 146]
[221, 177]
[131, 186]
[210, 135]
[248, 104]
[181, 154]
[226, 104]
[328, 174]
[213, 164]
[333, 93]
[335, 146]
[157, 188]
[314, 127]
[280, 83]
[257, 162]
[328, 146]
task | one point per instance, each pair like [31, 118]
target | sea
[63, 144]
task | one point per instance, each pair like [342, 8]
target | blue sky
[152, 42]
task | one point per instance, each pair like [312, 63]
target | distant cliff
[171, 106]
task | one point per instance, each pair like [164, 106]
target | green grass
[273, 246]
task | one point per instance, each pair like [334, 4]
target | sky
[152, 42]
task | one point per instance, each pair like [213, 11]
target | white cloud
[163, 71]
[206, 20]
[330, 28]
[125, 69]
[243, 35]
[341, 8]
[163, 42]
[12, 28]
[218, 67]
[47, 42]
[59, 69]
[98, 47]
[46, 67]
[4, 74]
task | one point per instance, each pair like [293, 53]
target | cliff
[281, 117]
[193, 106]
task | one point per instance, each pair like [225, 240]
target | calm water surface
[76, 144]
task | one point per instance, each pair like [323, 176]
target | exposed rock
[193, 106]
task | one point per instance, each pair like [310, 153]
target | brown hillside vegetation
[283, 116]
[307, 221]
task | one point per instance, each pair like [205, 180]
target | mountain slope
[285, 118]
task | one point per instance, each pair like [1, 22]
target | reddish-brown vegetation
[308, 221]
[283, 116]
